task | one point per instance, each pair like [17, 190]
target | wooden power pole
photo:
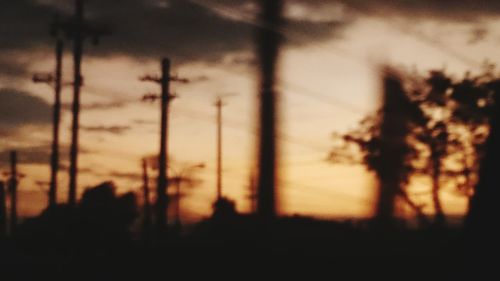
[161, 205]
[54, 163]
[79, 30]
[268, 52]
[219, 104]
[77, 83]
[54, 80]
[393, 147]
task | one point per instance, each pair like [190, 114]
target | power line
[238, 16]
[239, 126]
[303, 188]
[429, 41]
[332, 101]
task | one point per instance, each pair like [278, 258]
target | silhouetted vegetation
[100, 218]
[448, 121]
[482, 221]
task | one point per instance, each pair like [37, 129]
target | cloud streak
[449, 10]
[115, 130]
[181, 30]
[37, 154]
[19, 108]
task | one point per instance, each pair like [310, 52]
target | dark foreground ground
[239, 249]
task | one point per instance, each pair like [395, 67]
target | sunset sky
[328, 75]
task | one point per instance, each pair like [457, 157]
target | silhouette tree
[382, 141]
[107, 213]
[473, 99]
[433, 134]
[100, 220]
[448, 126]
[482, 220]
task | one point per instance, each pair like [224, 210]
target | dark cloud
[38, 155]
[97, 105]
[477, 34]
[202, 30]
[115, 130]
[145, 122]
[18, 108]
[24, 24]
[10, 67]
[29, 155]
[463, 10]
[180, 29]
[64, 167]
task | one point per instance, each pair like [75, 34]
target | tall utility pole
[219, 104]
[268, 51]
[146, 203]
[13, 192]
[54, 80]
[3, 211]
[161, 206]
[78, 30]
[162, 197]
[393, 147]
[77, 83]
[54, 163]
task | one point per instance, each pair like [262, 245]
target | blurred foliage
[448, 125]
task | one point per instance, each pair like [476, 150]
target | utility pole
[57, 120]
[78, 30]
[393, 147]
[146, 203]
[268, 51]
[77, 83]
[161, 205]
[56, 82]
[219, 104]
[13, 192]
[3, 211]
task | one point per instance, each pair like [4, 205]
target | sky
[328, 83]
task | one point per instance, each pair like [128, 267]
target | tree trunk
[439, 217]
